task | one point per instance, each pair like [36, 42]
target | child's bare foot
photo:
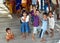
[24, 38]
[27, 35]
[43, 40]
[52, 34]
[46, 33]
[33, 39]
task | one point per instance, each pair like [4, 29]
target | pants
[42, 33]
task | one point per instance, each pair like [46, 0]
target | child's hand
[24, 19]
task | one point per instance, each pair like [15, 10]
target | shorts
[36, 29]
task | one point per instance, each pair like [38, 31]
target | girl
[25, 25]
[51, 23]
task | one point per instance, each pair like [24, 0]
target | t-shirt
[36, 21]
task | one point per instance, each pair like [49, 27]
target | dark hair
[7, 29]
[45, 14]
[37, 10]
[22, 7]
[34, 5]
[50, 12]
[24, 11]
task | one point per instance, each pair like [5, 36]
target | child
[9, 34]
[36, 24]
[32, 11]
[44, 27]
[25, 25]
[51, 23]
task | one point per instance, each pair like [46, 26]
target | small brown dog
[9, 34]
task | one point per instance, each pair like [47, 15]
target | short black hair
[7, 29]
[45, 14]
[37, 10]
[24, 11]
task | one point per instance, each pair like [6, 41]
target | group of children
[39, 25]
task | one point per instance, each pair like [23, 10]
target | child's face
[50, 14]
[24, 14]
[9, 31]
[37, 12]
[34, 8]
[45, 17]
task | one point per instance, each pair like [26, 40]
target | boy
[44, 27]
[36, 23]
[9, 34]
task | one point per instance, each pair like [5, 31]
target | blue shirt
[44, 24]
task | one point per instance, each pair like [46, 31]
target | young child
[32, 11]
[36, 24]
[9, 34]
[51, 23]
[43, 27]
[25, 25]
